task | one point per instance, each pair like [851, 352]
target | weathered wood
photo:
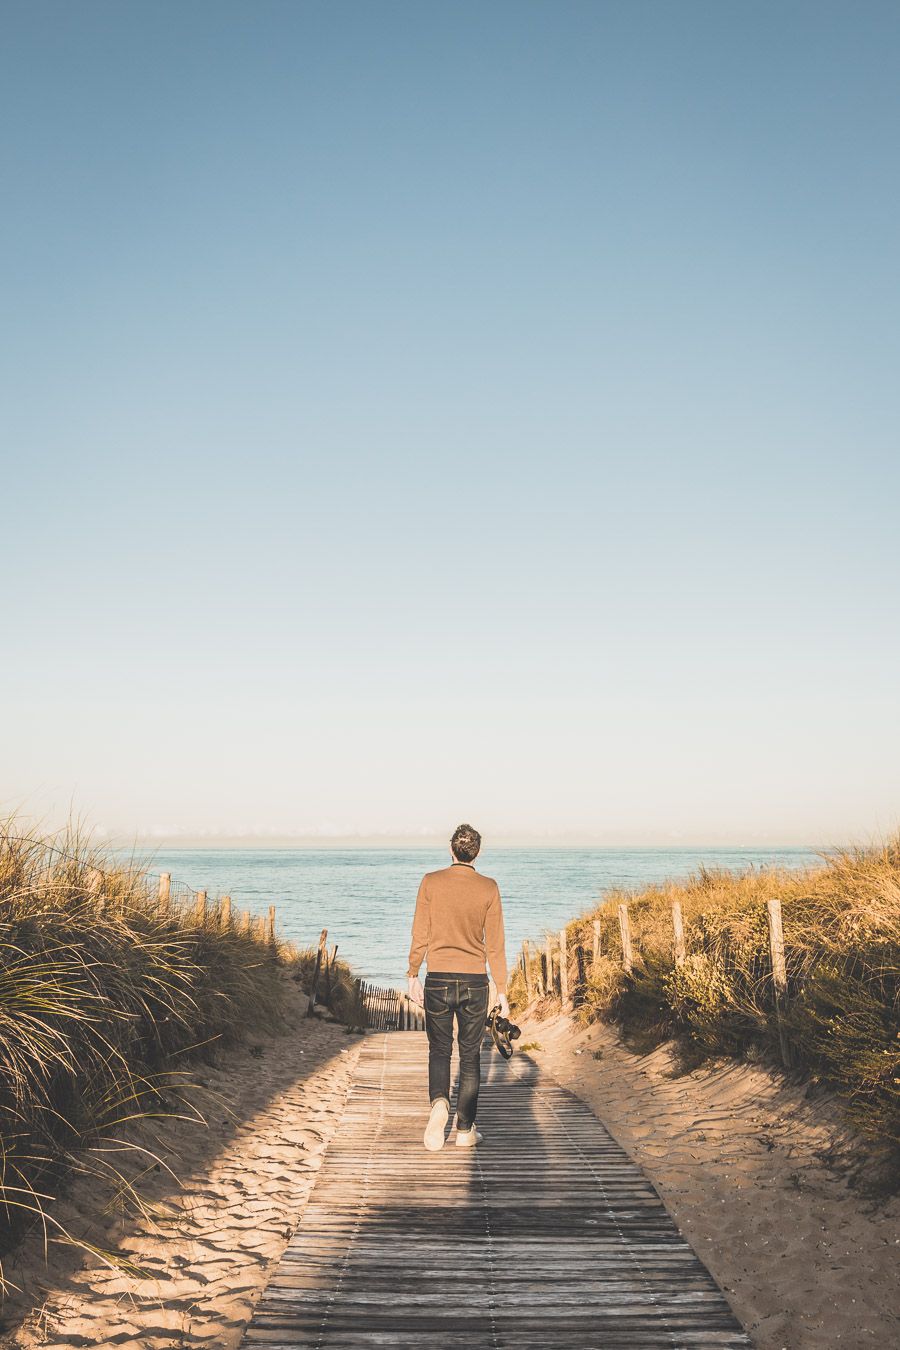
[323, 938]
[595, 950]
[200, 907]
[549, 1236]
[548, 958]
[678, 930]
[225, 911]
[387, 1009]
[164, 891]
[330, 959]
[625, 932]
[563, 969]
[779, 976]
[270, 925]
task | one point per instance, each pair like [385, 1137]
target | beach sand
[748, 1166]
[272, 1105]
[751, 1170]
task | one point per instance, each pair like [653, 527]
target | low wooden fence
[176, 897]
[390, 1010]
[374, 1007]
[561, 969]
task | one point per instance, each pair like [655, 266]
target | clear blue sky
[421, 411]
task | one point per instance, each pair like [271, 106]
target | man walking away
[457, 928]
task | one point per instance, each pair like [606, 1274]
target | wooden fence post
[678, 928]
[200, 907]
[165, 890]
[225, 911]
[595, 951]
[548, 954]
[270, 925]
[563, 969]
[779, 975]
[625, 931]
[579, 961]
[526, 970]
[330, 969]
[323, 938]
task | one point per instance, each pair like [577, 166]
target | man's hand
[415, 991]
[504, 1005]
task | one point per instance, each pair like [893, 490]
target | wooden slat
[547, 1235]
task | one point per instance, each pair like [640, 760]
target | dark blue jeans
[466, 996]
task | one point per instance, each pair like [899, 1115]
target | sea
[365, 896]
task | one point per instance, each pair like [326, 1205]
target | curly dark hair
[465, 843]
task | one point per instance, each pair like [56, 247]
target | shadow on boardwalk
[547, 1235]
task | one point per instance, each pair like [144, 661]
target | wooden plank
[547, 1235]
[779, 975]
[323, 939]
[563, 968]
[625, 933]
[526, 971]
[678, 931]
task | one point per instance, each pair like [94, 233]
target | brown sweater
[458, 921]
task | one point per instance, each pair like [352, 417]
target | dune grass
[842, 935]
[106, 997]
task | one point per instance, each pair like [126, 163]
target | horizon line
[431, 843]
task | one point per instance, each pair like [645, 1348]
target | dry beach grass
[115, 1009]
[842, 1015]
[191, 1265]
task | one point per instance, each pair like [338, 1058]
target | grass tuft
[106, 996]
[842, 936]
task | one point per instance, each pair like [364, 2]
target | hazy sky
[422, 412]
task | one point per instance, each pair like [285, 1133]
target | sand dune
[206, 1254]
[745, 1163]
[750, 1170]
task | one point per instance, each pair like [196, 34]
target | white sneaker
[468, 1138]
[434, 1130]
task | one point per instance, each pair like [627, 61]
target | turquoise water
[365, 897]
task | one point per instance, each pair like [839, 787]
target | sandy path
[212, 1244]
[737, 1156]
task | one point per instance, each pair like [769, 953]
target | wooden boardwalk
[548, 1235]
